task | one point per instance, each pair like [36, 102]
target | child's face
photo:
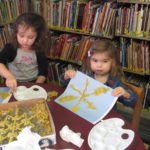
[100, 63]
[26, 37]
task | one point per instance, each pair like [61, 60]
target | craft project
[87, 98]
[24, 93]
[109, 135]
[13, 120]
[5, 94]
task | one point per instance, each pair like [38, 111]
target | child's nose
[25, 40]
[99, 64]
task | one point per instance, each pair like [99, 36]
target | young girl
[24, 55]
[103, 65]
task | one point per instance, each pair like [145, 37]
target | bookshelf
[76, 24]
[78, 16]
[133, 31]
[133, 28]
[9, 10]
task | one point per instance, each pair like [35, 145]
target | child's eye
[105, 61]
[94, 60]
[31, 37]
[21, 36]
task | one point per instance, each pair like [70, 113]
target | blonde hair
[105, 46]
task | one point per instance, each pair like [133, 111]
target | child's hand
[119, 91]
[11, 83]
[69, 74]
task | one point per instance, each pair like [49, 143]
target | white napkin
[26, 140]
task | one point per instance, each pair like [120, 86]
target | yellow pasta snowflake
[83, 95]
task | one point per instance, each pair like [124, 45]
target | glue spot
[36, 89]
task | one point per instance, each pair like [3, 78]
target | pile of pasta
[13, 120]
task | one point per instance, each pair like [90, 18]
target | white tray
[24, 93]
[107, 135]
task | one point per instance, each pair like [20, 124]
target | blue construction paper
[6, 90]
[93, 107]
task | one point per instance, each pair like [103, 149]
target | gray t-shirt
[24, 66]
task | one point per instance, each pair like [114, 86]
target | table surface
[62, 117]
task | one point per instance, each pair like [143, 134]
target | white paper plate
[107, 135]
[24, 93]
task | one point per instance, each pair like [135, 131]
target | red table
[62, 116]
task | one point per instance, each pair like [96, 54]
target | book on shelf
[109, 28]
[108, 6]
[131, 19]
[145, 19]
[135, 18]
[58, 73]
[97, 15]
[76, 14]
[148, 26]
[83, 41]
[80, 14]
[50, 73]
[89, 99]
[146, 101]
[139, 22]
[86, 16]
[147, 59]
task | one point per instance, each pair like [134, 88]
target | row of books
[133, 20]
[88, 16]
[56, 69]
[70, 47]
[10, 9]
[135, 55]
[5, 33]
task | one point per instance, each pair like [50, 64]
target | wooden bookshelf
[64, 61]
[134, 72]
[133, 37]
[9, 10]
[79, 32]
[134, 1]
[133, 27]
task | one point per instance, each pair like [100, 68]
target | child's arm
[40, 79]
[124, 94]
[69, 74]
[120, 91]
[11, 81]
[65, 78]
